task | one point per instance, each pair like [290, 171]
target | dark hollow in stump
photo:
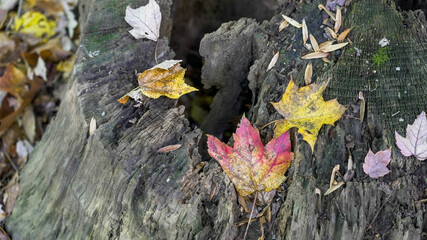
[113, 184]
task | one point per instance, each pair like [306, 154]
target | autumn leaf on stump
[305, 109]
[415, 142]
[164, 79]
[250, 165]
[145, 20]
[375, 165]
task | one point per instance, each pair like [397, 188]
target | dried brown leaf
[321, 6]
[315, 55]
[333, 34]
[334, 47]
[283, 25]
[343, 35]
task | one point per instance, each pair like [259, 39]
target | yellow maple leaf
[306, 109]
[168, 82]
[164, 79]
[36, 24]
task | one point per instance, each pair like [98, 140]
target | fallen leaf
[14, 81]
[323, 45]
[67, 65]
[92, 126]
[249, 165]
[315, 55]
[304, 31]
[343, 35]
[2, 213]
[283, 25]
[384, 42]
[11, 194]
[145, 20]
[72, 22]
[334, 47]
[7, 4]
[292, 22]
[308, 73]
[40, 70]
[337, 20]
[273, 61]
[29, 123]
[36, 24]
[314, 43]
[375, 165]
[321, 6]
[156, 82]
[169, 148]
[7, 47]
[333, 34]
[415, 142]
[326, 60]
[333, 184]
[305, 109]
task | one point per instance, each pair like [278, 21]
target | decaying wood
[113, 184]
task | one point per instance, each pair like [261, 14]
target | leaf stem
[250, 217]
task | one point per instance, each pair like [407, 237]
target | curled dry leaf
[315, 55]
[273, 61]
[292, 21]
[314, 43]
[334, 47]
[14, 81]
[169, 148]
[283, 25]
[415, 142]
[375, 165]
[145, 21]
[343, 35]
[308, 73]
[338, 20]
[304, 31]
[305, 109]
[326, 60]
[40, 69]
[321, 6]
[251, 166]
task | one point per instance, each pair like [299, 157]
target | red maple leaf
[249, 165]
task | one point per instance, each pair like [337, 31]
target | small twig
[20, 8]
[421, 201]
[155, 51]
[250, 217]
[11, 162]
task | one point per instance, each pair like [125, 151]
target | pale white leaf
[334, 47]
[72, 22]
[273, 61]
[315, 55]
[92, 126]
[308, 73]
[292, 21]
[145, 21]
[375, 165]
[338, 20]
[325, 44]
[166, 64]
[7, 4]
[136, 94]
[384, 42]
[415, 142]
[333, 34]
[40, 69]
[321, 6]
[304, 31]
[314, 43]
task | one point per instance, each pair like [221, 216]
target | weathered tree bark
[113, 184]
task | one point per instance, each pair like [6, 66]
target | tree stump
[113, 184]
